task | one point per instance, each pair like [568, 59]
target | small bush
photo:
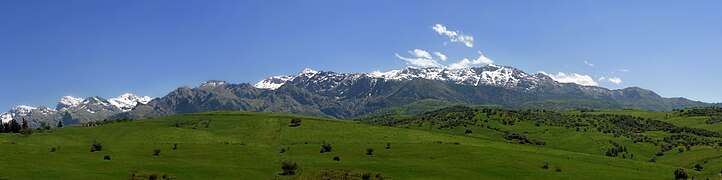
[283, 150]
[336, 158]
[388, 145]
[680, 173]
[107, 157]
[545, 165]
[326, 147]
[467, 132]
[698, 167]
[366, 176]
[295, 122]
[97, 146]
[370, 151]
[53, 149]
[289, 167]
[156, 152]
[175, 146]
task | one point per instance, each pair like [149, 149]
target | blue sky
[49, 49]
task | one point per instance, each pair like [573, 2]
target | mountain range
[348, 95]
[73, 110]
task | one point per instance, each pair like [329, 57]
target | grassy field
[238, 145]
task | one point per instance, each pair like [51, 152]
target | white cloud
[580, 79]
[421, 54]
[466, 63]
[623, 70]
[421, 59]
[614, 80]
[454, 36]
[589, 64]
[442, 57]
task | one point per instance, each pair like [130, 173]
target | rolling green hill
[240, 145]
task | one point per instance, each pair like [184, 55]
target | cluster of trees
[204, 122]
[616, 149]
[13, 126]
[103, 122]
[521, 139]
[628, 126]
[713, 120]
[700, 111]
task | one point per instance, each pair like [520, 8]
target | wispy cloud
[466, 63]
[421, 59]
[580, 79]
[615, 80]
[589, 64]
[442, 57]
[623, 70]
[454, 36]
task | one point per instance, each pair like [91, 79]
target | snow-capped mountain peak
[69, 102]
[128, 101]
[492, 75]
[24, 110]
[213, 83]
[308, 72]
[273, 82]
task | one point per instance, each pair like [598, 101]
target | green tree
[680, 173]
[289, 167]
[14, 126]
[25, 124]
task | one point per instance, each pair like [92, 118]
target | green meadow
[246, 145]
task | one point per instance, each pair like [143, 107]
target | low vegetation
[505, 144]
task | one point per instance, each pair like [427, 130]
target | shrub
[366, 176]
[558, 169]
[467, 132]
[698, 167]
[326, 147]
[336, 158]
[654, 159]
[295, 122]
[156, 152]
[388, 145]
[289, 167]
[107, 157]
[97, 146]
[680, 173]
[545, 165]
[283, 150]
[26, 131]
[370, 151]
[53, 149]
[175, 146]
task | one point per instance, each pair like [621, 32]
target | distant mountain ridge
[347, 95]
[74, 110]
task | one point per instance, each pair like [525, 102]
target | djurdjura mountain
[348, 95]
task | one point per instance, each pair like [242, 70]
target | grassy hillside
[236, 145]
